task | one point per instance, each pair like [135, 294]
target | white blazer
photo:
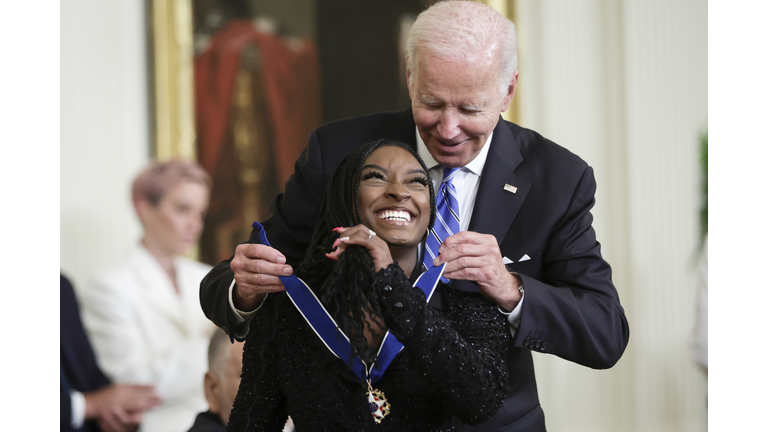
[144, 333]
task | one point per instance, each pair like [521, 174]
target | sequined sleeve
[461, 348]
[260, 404]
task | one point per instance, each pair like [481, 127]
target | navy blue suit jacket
[571, 306]
[79, 370]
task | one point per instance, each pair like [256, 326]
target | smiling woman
[356, 341]
[394, 196]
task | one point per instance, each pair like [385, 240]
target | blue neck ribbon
[329, 332]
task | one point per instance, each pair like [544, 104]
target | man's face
[456, 105]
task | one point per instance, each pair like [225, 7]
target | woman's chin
[402, 242]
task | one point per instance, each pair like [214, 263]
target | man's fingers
[467, 237]
[259, 251]
[259, 282]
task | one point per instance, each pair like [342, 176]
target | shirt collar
[475, 166]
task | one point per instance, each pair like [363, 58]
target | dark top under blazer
[571, 306]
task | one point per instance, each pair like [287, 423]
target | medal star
[378, 405]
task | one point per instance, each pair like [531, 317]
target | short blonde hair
[159, 177]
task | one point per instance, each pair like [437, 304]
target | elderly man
[522, 202]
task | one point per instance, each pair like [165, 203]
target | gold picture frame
[173, 73]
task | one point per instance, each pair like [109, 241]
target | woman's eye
[420, 180]
[373, 175]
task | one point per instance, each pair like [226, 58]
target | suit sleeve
[290, 231]
[572, 308]
[461, 356]
[65, 403]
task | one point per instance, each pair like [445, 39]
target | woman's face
[393, 196]
[176, 223]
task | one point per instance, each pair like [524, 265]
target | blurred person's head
[171, 199]
[225, 364]
[462, 74]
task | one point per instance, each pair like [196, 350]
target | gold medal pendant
[378, 404]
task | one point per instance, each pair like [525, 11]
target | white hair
[459, 30]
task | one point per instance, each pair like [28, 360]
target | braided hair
[345, 287]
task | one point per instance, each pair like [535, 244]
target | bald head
[225, 364]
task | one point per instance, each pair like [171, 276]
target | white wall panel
[623, 85]
[104, 131]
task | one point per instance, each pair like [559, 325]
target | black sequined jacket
[451, 371]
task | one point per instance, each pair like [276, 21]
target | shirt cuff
[77, 401]
[242, 316]
[513, 318]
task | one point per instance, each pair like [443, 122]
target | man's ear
[408, 77]
[510, 91]
[212, 389]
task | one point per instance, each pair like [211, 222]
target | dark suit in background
[571, 307]
[208, 422]
[79, 370]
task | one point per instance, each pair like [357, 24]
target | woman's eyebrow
[413, 171]
[375, 167]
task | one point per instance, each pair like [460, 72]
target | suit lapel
[157, 288]
[496, 206]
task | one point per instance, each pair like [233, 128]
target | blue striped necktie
[446, 219]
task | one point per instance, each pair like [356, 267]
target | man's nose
[448, 126]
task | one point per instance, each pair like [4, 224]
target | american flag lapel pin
[509, 188]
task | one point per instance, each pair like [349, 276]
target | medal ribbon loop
[329, 332]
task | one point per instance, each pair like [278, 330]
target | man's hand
[476, 257]
[257, 268]
[118, 407]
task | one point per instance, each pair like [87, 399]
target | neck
[163, 257]
[406, 257]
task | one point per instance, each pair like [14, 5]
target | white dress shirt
[466, 182]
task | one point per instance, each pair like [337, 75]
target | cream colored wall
[104, 131]
[624, 85]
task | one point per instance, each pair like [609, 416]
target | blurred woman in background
[144, 316]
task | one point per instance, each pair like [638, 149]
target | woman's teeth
[396, 215]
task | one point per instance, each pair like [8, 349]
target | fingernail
[337, 229]
[330, 257]
[287, 270]
[281, 260]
